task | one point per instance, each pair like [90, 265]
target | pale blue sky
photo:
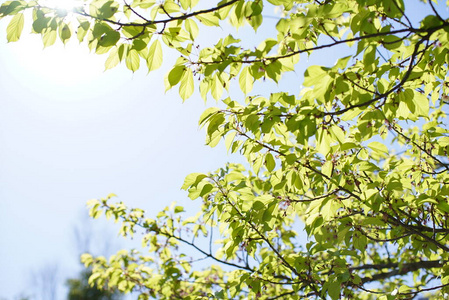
[70, 132]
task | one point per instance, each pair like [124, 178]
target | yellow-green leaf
[191, 28]
[175, 75]
[378, 148]
[154, 59]
[421, 104]
[216, 87]
[229, 139]
[49, 38]
[112, 60]
[246, 80]
[186, 87]
[64, 33]
[15, 27]
[133, 60]
[270, 162]
[208, 19]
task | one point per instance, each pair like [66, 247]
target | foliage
[345, 192]
[79, 289]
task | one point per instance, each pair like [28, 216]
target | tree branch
[399, 269]
[164, 21]
[330, 45]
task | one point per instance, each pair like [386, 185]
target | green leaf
[154, 58]
[49, 38]
[273, 70]
[40, 23]
[143, 3]
[444, 141]
[270, 162]
[10, 8]
[378, 148]
[279, 2]
[443, 206]
[213, 139]
[185, 4]
[404, 289]
[192, 180]
[83, 28]
[178, 209]
[132, 31]
[191, 28]
[268, 213]
[109, 38]
[103, 9]
[208, 19]
[342, 63]
[64, 33]
[334, 290]
[246, 80]
[15, 27]
[186, 87]
[214, 123]
[209, 112]
[133, 60]
[175, 75]
[258, 205]
[421, 103]
[314, 75]
[323, 142]
[216, 87]
[113, 59]
[229, 139]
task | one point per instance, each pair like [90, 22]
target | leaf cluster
[345, 191]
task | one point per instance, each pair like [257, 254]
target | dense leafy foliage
[345, 190]
[80, 289]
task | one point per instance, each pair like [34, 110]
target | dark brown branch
[136, 13]
[382, 240]
[359, 86]
[282, 295]
[330, 45]
[165, 11]
[402, 12]
[428, 264]
[387, 93]
[307, 166]
[398, 222]
[209, 255]
[425, 290]
[164, 21]
[436, 12]
[310, 199]
[409, 140]
[404, 269]
[253, 227]
[180, 239]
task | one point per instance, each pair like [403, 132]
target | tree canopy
[80, 289]
[344, 192]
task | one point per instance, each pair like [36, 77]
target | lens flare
[62, 4]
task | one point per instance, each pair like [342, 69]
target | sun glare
[62, 4]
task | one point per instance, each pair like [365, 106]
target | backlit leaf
[175, 75]
[246, 80]
[133, 60]
[187, 85]
[154, 59]
[15, 27]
